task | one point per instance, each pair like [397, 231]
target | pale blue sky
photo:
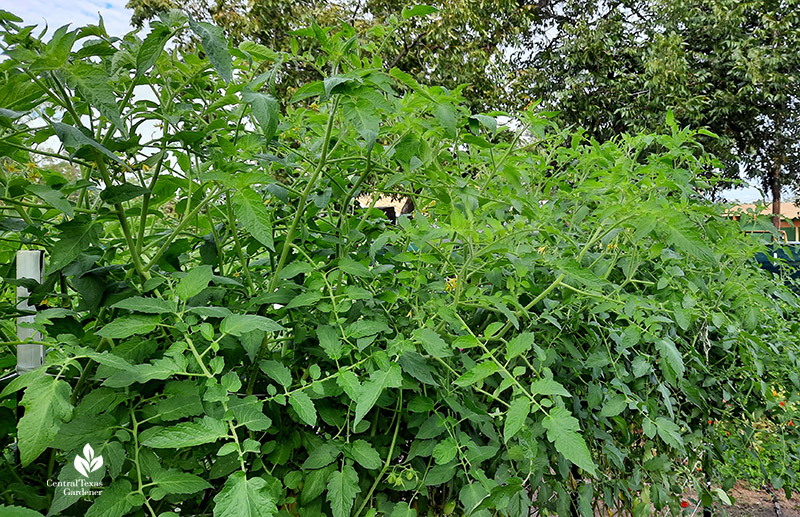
[117, 19]
[77, 12]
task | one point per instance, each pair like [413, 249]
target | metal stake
[30, 264]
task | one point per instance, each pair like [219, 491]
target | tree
[460, 42]
[730, 67]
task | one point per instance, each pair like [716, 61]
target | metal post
[30, 264]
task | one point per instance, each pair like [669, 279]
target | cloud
[54, 13]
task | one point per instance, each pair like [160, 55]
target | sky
[117, 19]
[56, 13]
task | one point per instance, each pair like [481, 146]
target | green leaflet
[562, 430]
[185, 434]
[176, 482]
[432, 343]
[342, 491]
[147, 305]
[277, 372]
[47, 406]
[476, 374]
[52, 197]
[113, 501]
[304, 407]
[515, 417]
[266, 111]
[238, 324]
[329, 341]
[372, 389]
[127, 326]
[75, 236]
[215, 46]
[125, 191]
[93, 83]
[243, 497]
[670, 359]
[194, 281]
[548, 387]
[365, 455]
[252, 213]
[151, 49]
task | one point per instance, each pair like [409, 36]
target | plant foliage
[238, 332]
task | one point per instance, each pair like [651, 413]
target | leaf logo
[88, 463]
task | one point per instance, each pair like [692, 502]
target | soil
[752, 503]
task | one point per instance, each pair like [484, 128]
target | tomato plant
[235, 331]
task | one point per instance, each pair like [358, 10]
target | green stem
[304, 197]
[123, 221]
[388, 458]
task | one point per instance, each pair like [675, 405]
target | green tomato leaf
[365, 455]
[147, 305]
[242, 497]
[342, 491]
[265, 110]
[304, 407]
[47, 406]
[175, 482]
[185, 434]
[562, 430]
[238, 324]
[515, 417]
[432, 343]
[194, 282]
[216, 47]
[127, 326]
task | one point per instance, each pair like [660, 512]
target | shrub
[557, 325]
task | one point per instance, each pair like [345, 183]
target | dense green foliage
[558, 324]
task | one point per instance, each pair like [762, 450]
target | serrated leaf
[238, 324]
[251, 211]
[322, 456]
[476, 374]
[249, 412]
[614, 406]
[548, 387]
[516, 415]
[432, 343]
[342, 491]
[52, 197]
[94, 85]
[670, 359]
[123, 192]
[47, 406]
[669, 432]
[147, 305]
[277, 372]
[185, 434]
[73, 137]
[418, 10]
[266, 111]
[445, 451]
[176, 482]
[372, 389]
[365, 455]
[74, 237]
[151, 49]
[520, 344]
[563, 430]
[215, 46]
[242, 497]
[304, 407]
[194, 282]
[329, 341]
[127, 326]
[113, 500]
